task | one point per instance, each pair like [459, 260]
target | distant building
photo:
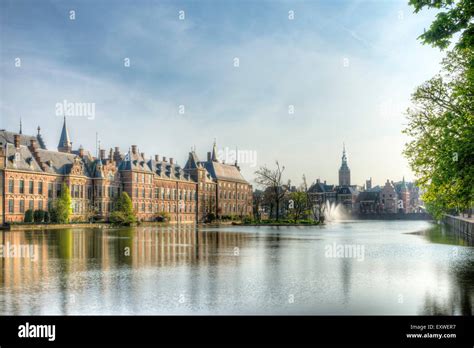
[389, 198]
[344, 171]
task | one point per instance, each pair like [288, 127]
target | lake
[351, 267]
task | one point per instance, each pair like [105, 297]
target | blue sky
[347, 67]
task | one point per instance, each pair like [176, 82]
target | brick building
[32, 177]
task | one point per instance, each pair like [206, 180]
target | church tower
[65, 144]
[344, 171]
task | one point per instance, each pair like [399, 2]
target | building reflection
[62, 255]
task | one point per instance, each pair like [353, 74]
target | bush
[38, 215]
[47, 217]
[28, 216]
[53, 215]
[162, 217]
[210, 217]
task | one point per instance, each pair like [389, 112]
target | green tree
[455, 17]
[63, 205]
[123, 213]
[298, 204]
[28, 216]
[441, 126]
[38, 216]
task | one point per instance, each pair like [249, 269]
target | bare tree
[316, 206]
[273, 181]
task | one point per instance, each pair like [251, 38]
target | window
[58, 190]
[22, 186]
[32, 187]
[143, 193]
[40, 188]
[11, 184]
[22, 206]
[143, 207]
[31, 205]
[40, 205]
[11, 204]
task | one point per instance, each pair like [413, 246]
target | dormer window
[17, 157]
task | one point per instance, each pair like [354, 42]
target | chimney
[111, 154]
[117, 156]
[2, 156]
[317, 181]
[164, 159]
[209, 157]
[157, 158]
[171, 160]
[33, 144]
[143, 155]
[134, 149]
[324, 182]
[102, 154]
[16, 140]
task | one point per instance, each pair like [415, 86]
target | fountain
[333, 211]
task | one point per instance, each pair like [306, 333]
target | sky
[278, 80]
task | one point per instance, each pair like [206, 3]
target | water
[406, 267]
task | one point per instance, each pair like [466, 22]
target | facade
[32, 177]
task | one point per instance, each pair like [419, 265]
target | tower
[344, 171]
[214, 152]
[65, 144]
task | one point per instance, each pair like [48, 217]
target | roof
[368, 196]
[8, 137]
[223, 171]
[20, 159]
[346, 190]
[58, 162]
[134, 161]
[319, 187]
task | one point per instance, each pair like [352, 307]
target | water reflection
[154, 270]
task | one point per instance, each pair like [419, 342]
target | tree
[298, 204]
[38, 215]
[63, 205]
[441, 125]
[456, 17]
[28, 216]
[273, 181]
[123, 213]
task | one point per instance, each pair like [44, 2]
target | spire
[214, 152]
[236, 156]
[344, 157]
[40, 139]
[21, 131]
[65, 144]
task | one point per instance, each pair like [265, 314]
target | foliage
[47, 217]
[456, 17]
[441, 126]
[28, 216]
[211, 217]
[163, 217]
[123, 213]
[39, 216]
[298, 204]
[63, 205]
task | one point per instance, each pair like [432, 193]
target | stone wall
[460, 226]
